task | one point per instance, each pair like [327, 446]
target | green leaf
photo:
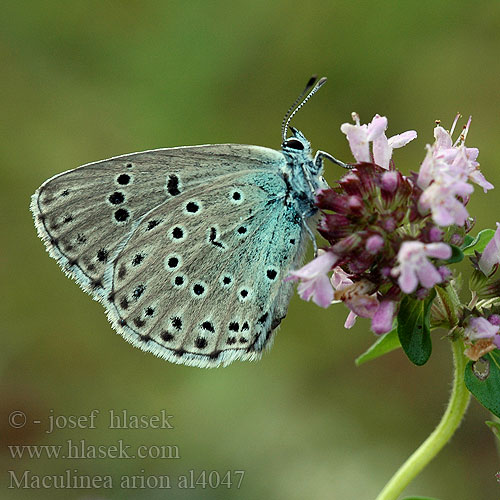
[456, 255]
[467, 241]
[386, 343]
[414, 329]
[486, 389]
[495, 427]
[478, 243]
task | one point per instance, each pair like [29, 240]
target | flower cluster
[392, 242]
[392, 235]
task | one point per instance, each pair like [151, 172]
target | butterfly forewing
[83, 215]
[186, 247]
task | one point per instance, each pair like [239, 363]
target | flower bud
[346, 244]
[494, 319]
[374, 244]
[435, 234]
[390, 181]
[389, 224]
[444, 272]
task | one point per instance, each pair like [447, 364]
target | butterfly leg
[311, 235]
[318, 160]
[308, 180]
[304, 216]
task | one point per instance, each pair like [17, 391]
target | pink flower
[383, 317]
[360, 136]
[428, 168]
[444, 175]
[480, 328]
[350, 320]
[491, 254]
[414, 266]
[363, 305]
[383, 147]
[314, 281]
[356, 297]
[340, 279]
[368, 306]
[494, 319]
[461, 164]
[496, 341]
[440, 199]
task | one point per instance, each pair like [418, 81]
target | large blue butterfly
[187, 247]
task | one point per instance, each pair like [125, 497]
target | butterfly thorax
[302, 175]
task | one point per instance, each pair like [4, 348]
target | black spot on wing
[271, 274]
[177, 322]
[102, 255]
[201, 343]
[139, 290]
[121, 215]
[213, 236]
[173, 185]
[152, 224]
[122, 272]
[123, 179]
[138, 322]
[177, 233]
[207, 325]
[192, 207]
[138, 258]
[116, 198]
[166, 336]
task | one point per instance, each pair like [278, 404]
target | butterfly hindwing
[200, 281]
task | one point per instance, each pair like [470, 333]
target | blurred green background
[83, 81]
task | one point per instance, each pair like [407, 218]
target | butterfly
[187, 247]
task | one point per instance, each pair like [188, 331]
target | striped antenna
[296, 106]
[309, 86]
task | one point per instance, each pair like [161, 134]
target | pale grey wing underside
[79, 210]
[112, 224]
[218, 297]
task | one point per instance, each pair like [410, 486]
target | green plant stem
[455, 411]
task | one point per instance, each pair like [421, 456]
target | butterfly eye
[293, 144]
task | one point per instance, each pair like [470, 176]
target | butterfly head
[297, 143]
